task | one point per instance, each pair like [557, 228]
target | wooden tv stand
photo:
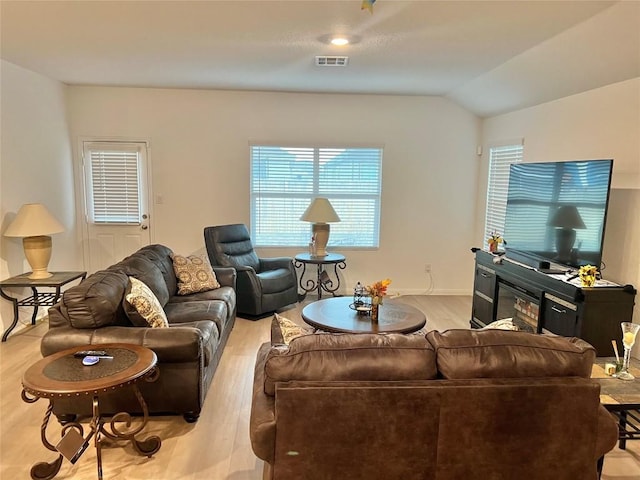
[541, 302]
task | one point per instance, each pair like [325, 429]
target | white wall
[200, 166]
[36, 165]
[601, 123]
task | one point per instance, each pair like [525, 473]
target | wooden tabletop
[320, 259]
[335, 315]
[615, 392]
[55, 280]
[63, 375]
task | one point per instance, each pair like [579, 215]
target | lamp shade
[320, 211]
[33, 219]
[567, 217]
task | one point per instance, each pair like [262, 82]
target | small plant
[494, 240]
[378, 290]
[588, 275]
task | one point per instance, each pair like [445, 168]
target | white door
[116, 201]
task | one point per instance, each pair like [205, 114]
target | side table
[38, 298]
[63, 375]
[322, 281]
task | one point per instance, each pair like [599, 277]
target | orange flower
[379, 288]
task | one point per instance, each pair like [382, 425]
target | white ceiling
[490, 56]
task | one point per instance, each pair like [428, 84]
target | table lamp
[566, 219]
[320, 212]
[34, 223]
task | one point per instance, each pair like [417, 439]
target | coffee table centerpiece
[367, 300]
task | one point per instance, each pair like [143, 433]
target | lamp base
[321, 234]
[38, 253]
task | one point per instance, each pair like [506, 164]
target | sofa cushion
[95, 302]
[146, 304]
[465, 354]
[194, 274]
[184, 312]
[160, 255]
[140, 266]
[350, 357]
[274, 281]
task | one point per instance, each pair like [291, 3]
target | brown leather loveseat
[461, 404]
[188, 352]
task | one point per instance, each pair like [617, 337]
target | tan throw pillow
[146, 303]
[290, 329]
[194, 274]
[503, 324]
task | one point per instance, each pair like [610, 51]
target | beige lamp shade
[320, 212]
[34, 223]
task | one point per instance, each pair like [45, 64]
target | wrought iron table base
[98, 429]
[322, 282]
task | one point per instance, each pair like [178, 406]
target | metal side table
[38, 298]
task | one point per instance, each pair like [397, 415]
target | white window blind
[284, 180]
[113, 180]
[500, 158]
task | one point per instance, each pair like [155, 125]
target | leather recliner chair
[263, 284]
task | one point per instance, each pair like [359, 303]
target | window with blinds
[500, 159]
[113, 183]
[284, 180]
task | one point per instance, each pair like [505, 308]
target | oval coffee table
[335, 315]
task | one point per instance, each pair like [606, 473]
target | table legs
[98, 429]
[323, 282]
[15, 314]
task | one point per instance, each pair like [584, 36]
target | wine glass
[629, 332]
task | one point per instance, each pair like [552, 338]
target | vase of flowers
[494, 240]
[377, 291]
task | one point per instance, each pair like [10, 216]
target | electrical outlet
[427, 268]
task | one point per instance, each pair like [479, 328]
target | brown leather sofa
[188, 352]
[456, 405]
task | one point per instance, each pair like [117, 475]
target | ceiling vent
[331, 61]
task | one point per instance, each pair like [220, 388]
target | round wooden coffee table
[62, 375]
[335, 315]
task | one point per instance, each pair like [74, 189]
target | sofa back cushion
[97, 301]
[145, 269]
[465, 354]
[160, 255]
[328, 357]
[230, 246]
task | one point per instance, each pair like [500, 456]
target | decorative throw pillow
[146, 303]
[194, 274]
[290, 329]
[503, 324]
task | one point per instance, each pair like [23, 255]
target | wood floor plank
[217, 447]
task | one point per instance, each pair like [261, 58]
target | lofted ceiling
[489, 56]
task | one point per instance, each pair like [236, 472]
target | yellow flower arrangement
[588, 274]
[378, 290]
[494, 240]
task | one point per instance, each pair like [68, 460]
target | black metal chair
[264, 284]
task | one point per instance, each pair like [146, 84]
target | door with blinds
[116, 201]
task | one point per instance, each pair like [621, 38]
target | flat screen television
[556, 213]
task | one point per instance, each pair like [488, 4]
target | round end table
[63, 375]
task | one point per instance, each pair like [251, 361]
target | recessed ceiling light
[339, 41]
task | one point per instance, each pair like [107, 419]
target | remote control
[86, 353]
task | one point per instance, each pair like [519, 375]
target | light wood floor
[217, 447]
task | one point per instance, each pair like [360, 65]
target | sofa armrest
[176, 344]
[275, 263]
[226, 276]
[262, 423]
[607, 432]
